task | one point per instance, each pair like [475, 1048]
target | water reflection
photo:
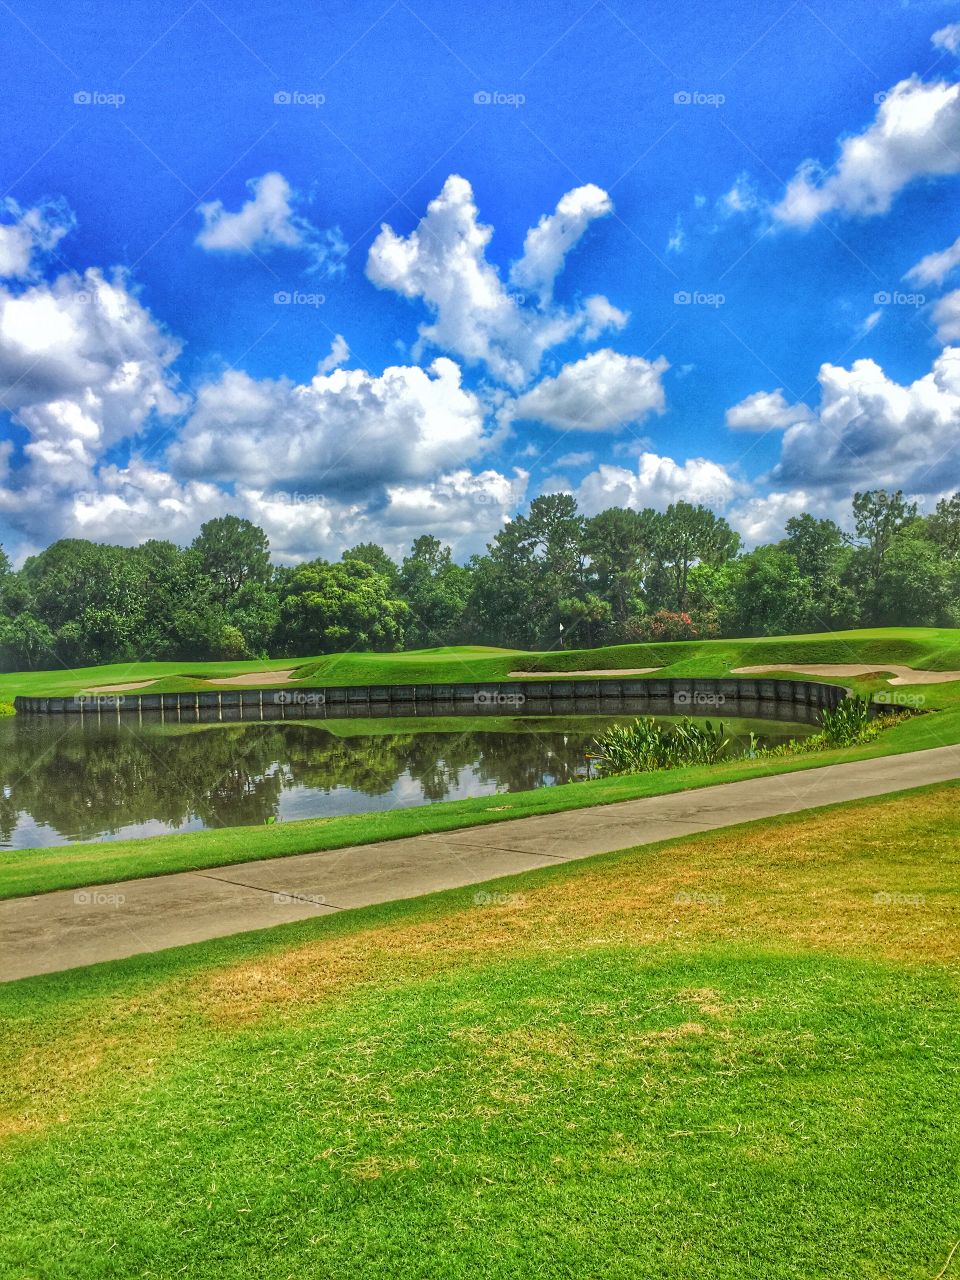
[64, 779]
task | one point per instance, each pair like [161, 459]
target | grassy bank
[732, 1055]
[926, 648]
[27, 871]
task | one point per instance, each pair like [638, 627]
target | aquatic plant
[646, 745]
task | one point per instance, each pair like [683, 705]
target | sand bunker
[122, 688]
[254, 678]
[903, 675]
[612, 671]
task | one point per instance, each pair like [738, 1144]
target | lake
[64, 779]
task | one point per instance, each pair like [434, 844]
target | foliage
[647, 745]
[550, 579]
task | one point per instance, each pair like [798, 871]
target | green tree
[373, 554]
[436, 590]
[232, 551]
[620, 544]
[328, 608]
[689, 535]
[943, 527]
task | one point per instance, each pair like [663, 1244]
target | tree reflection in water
[80, 780]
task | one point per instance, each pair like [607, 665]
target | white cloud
[344, 428]
[947, 38]
[869, 323]
[761, 519]
[657, 482]
[339, 354]
[82, 365]
[935, 267]
[30, 233]
[603, 391]
[871, 432]
[581, 459]
[443, 262]
[916, 134]
[548, 243]
[741, 198]
[268, 220]
[766, 411]
[947, 317]
[602, 317]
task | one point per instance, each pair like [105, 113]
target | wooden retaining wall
[686, 696]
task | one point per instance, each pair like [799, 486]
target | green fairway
[729, 1056]
[926, 648]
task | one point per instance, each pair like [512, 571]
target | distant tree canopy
[615, 577]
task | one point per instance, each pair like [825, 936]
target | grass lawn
[730, 1056]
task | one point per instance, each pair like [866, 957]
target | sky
[363, 270]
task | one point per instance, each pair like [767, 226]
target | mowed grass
[729, 1056]
[927, 648]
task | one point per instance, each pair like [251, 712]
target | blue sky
[371, 269]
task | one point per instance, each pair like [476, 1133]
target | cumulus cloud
[603, 391]
[766, 411]
[548, 243]
[947, 38]
[28, 234]
[657, 482]
[443, 262]
[267, 221]
[916, 134]
[763, 518]
[935, 267]
[344, 428]
[339, 354]
[946, 315]
[870, 431]
[82, 365]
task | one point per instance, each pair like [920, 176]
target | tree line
[553, 576]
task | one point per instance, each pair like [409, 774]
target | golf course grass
[926, 648]
[732, 1055]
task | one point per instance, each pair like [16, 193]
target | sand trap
[254, 677]
[122, 688]
[904, 675]
[614, 671]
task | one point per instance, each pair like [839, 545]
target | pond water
[63, 778]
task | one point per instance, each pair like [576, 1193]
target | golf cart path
[64, 929]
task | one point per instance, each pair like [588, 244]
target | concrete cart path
[62, 930]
